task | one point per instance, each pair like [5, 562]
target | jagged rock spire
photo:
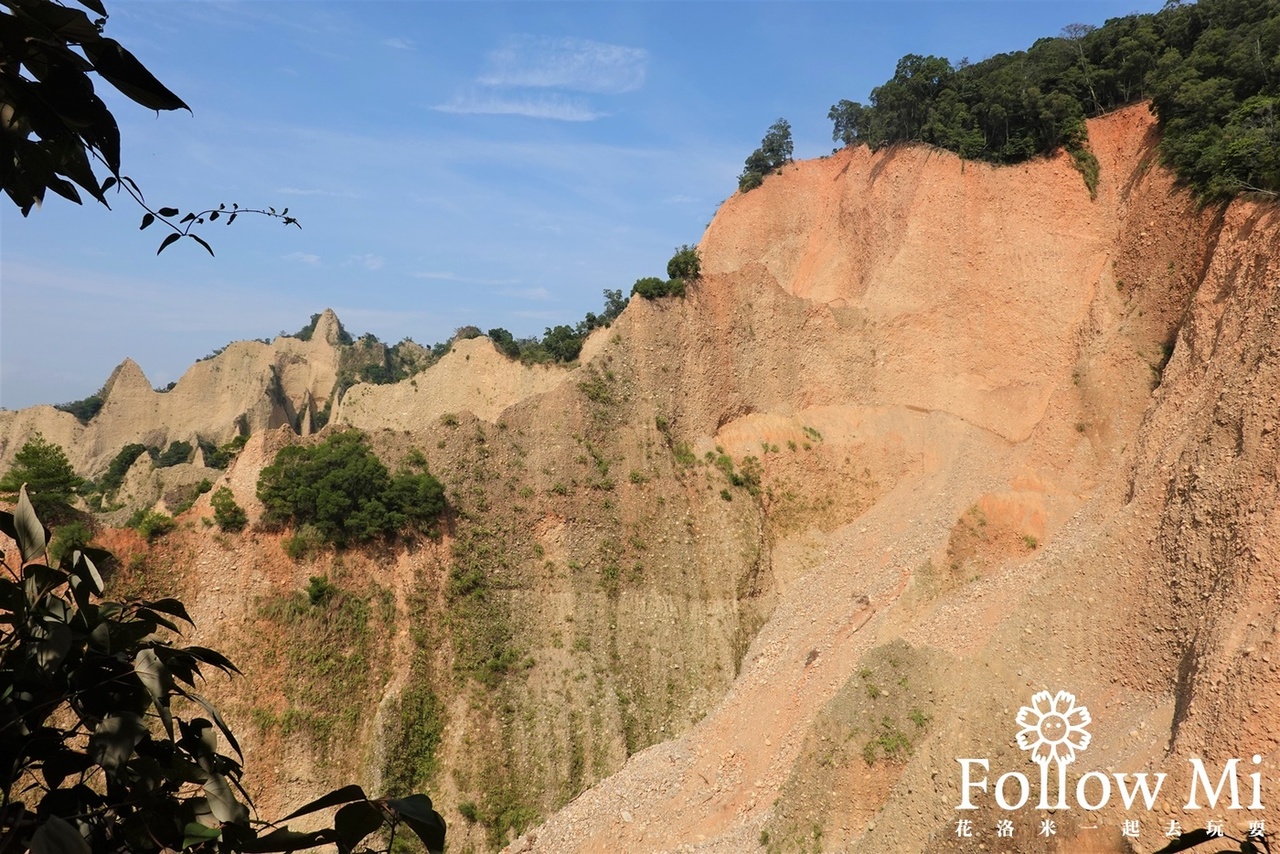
[328, 327]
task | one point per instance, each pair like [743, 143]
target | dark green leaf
[108, 184]
[56, 836]
[86, 569]
[123, 71]
[52, 647]
[164, 244]
[209, 656]
[113, 741]
[417, 812]
[223, 801]
[94, 5]
[167, 212]
[63, 764]
[206, 246]
[354, 822]
[147, 219]
[172, 607]
[154, 676]
[345, 795]
[38, 579]
[217, 718]
[187, 218]
[213, 216]
[30, 534]
[63, 188]
[152, 616]
[187, 772]
[195, 833]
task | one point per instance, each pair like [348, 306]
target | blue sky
[451, 163]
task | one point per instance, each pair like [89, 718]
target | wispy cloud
[304, 258]
[454, 277]
[313, 191]
[368, 260]
[558, 107]
[548, 316]
[538, 294]
[398, 44]
[520, 73]
[578, 65]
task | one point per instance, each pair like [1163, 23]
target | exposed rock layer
[978, 479]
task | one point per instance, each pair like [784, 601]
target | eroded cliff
[926, 438]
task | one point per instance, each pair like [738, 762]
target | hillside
[928, 436]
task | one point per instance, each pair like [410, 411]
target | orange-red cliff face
[1052, 506]
[978, 479]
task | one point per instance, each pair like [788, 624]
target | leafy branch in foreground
[52, 121]
[105, 745]
[182, 227]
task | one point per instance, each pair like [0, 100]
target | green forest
[1211, 71]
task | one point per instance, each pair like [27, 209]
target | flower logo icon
[1053, 728]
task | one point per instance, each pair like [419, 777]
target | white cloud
[369, 261]
[310, 191]
[538, 294]
[304, 258]
[547, 316]
[558, 107]
[398, 44]
[578, 65]
[454, 277]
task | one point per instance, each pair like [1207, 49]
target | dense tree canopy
[1211, 70]
[342, 489]
[51, 481]
[774, 152]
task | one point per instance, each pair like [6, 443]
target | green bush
[150, 524]
[419, 497]
[51, 482]
[320, 590]
[229, 515]
[505, 342]
[651, 287]
[119, 467]
[181, 499]
[775, 150]
[685, 264]
[305, 542]
[220, 456]
[83, 410]
[176, 454]
[68, 538]
[342, 489]
[563, 343]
